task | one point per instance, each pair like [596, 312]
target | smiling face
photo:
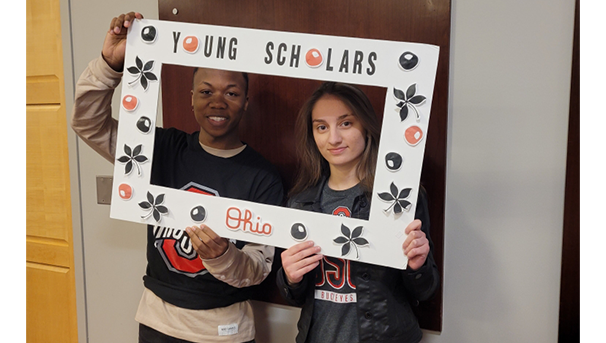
[219, 100]
[338, 133]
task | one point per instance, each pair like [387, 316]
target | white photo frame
[406, 70]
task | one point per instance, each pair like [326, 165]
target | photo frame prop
[406, 70]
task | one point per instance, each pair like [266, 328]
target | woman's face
[338, 133]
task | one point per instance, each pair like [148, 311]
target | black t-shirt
[174, 271]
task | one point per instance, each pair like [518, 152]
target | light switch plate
[104, 189]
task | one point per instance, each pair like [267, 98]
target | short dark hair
[245, 75]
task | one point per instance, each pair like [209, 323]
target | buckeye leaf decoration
[408, 99]
[154, 207]
[396, 198]
[142, 72]
[351, 238]
[132, 158]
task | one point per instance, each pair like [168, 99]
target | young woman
[345, 301]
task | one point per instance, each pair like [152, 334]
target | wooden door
[51, 293]
[275, 101]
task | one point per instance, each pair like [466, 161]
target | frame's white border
[250, 53]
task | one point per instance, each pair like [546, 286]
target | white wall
[510, 84]
[510, 77]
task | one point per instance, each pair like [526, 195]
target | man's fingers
[209, 237]
[117, 24]
[130, 16]
[205, 245]
[112, 24]
[208, 232]
[123, 20]
[198, 236]
[195, 240]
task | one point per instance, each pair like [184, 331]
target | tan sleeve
[92, 112]
[242, 268]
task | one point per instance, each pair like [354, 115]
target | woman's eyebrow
[343, 116]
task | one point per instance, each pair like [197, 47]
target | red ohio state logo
[342, 211]
[237, 219]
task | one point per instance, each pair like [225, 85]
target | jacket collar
[312, 194]
[311, 199]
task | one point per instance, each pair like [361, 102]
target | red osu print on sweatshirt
[175, 246]
[334, 272]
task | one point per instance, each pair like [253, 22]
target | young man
[195, 283]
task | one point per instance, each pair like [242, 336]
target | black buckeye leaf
[150, 76]
[150, 198]
[345, 231]
[340, 240]
[394, 190]
[403, 113]
[137, 150]
[399, 94]
[410, 92]
[162, 209]
[159, 199]
[140, 158]
[148, 66]
[360, 241]
[345, 249]
[133, 70]
[386, 196]
[156, 215]
[127, 151]
[128, 167]
[404, 203]
[404, 193]
[138, 63]
[123, 159]
[397, 209]
[417, 99]
[357, 232]
[144, 82]
[145, 205]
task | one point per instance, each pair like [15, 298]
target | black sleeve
[293, 295]
[422, 283]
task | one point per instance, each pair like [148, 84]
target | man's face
[219, 100]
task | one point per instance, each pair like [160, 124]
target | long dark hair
[312, 166]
